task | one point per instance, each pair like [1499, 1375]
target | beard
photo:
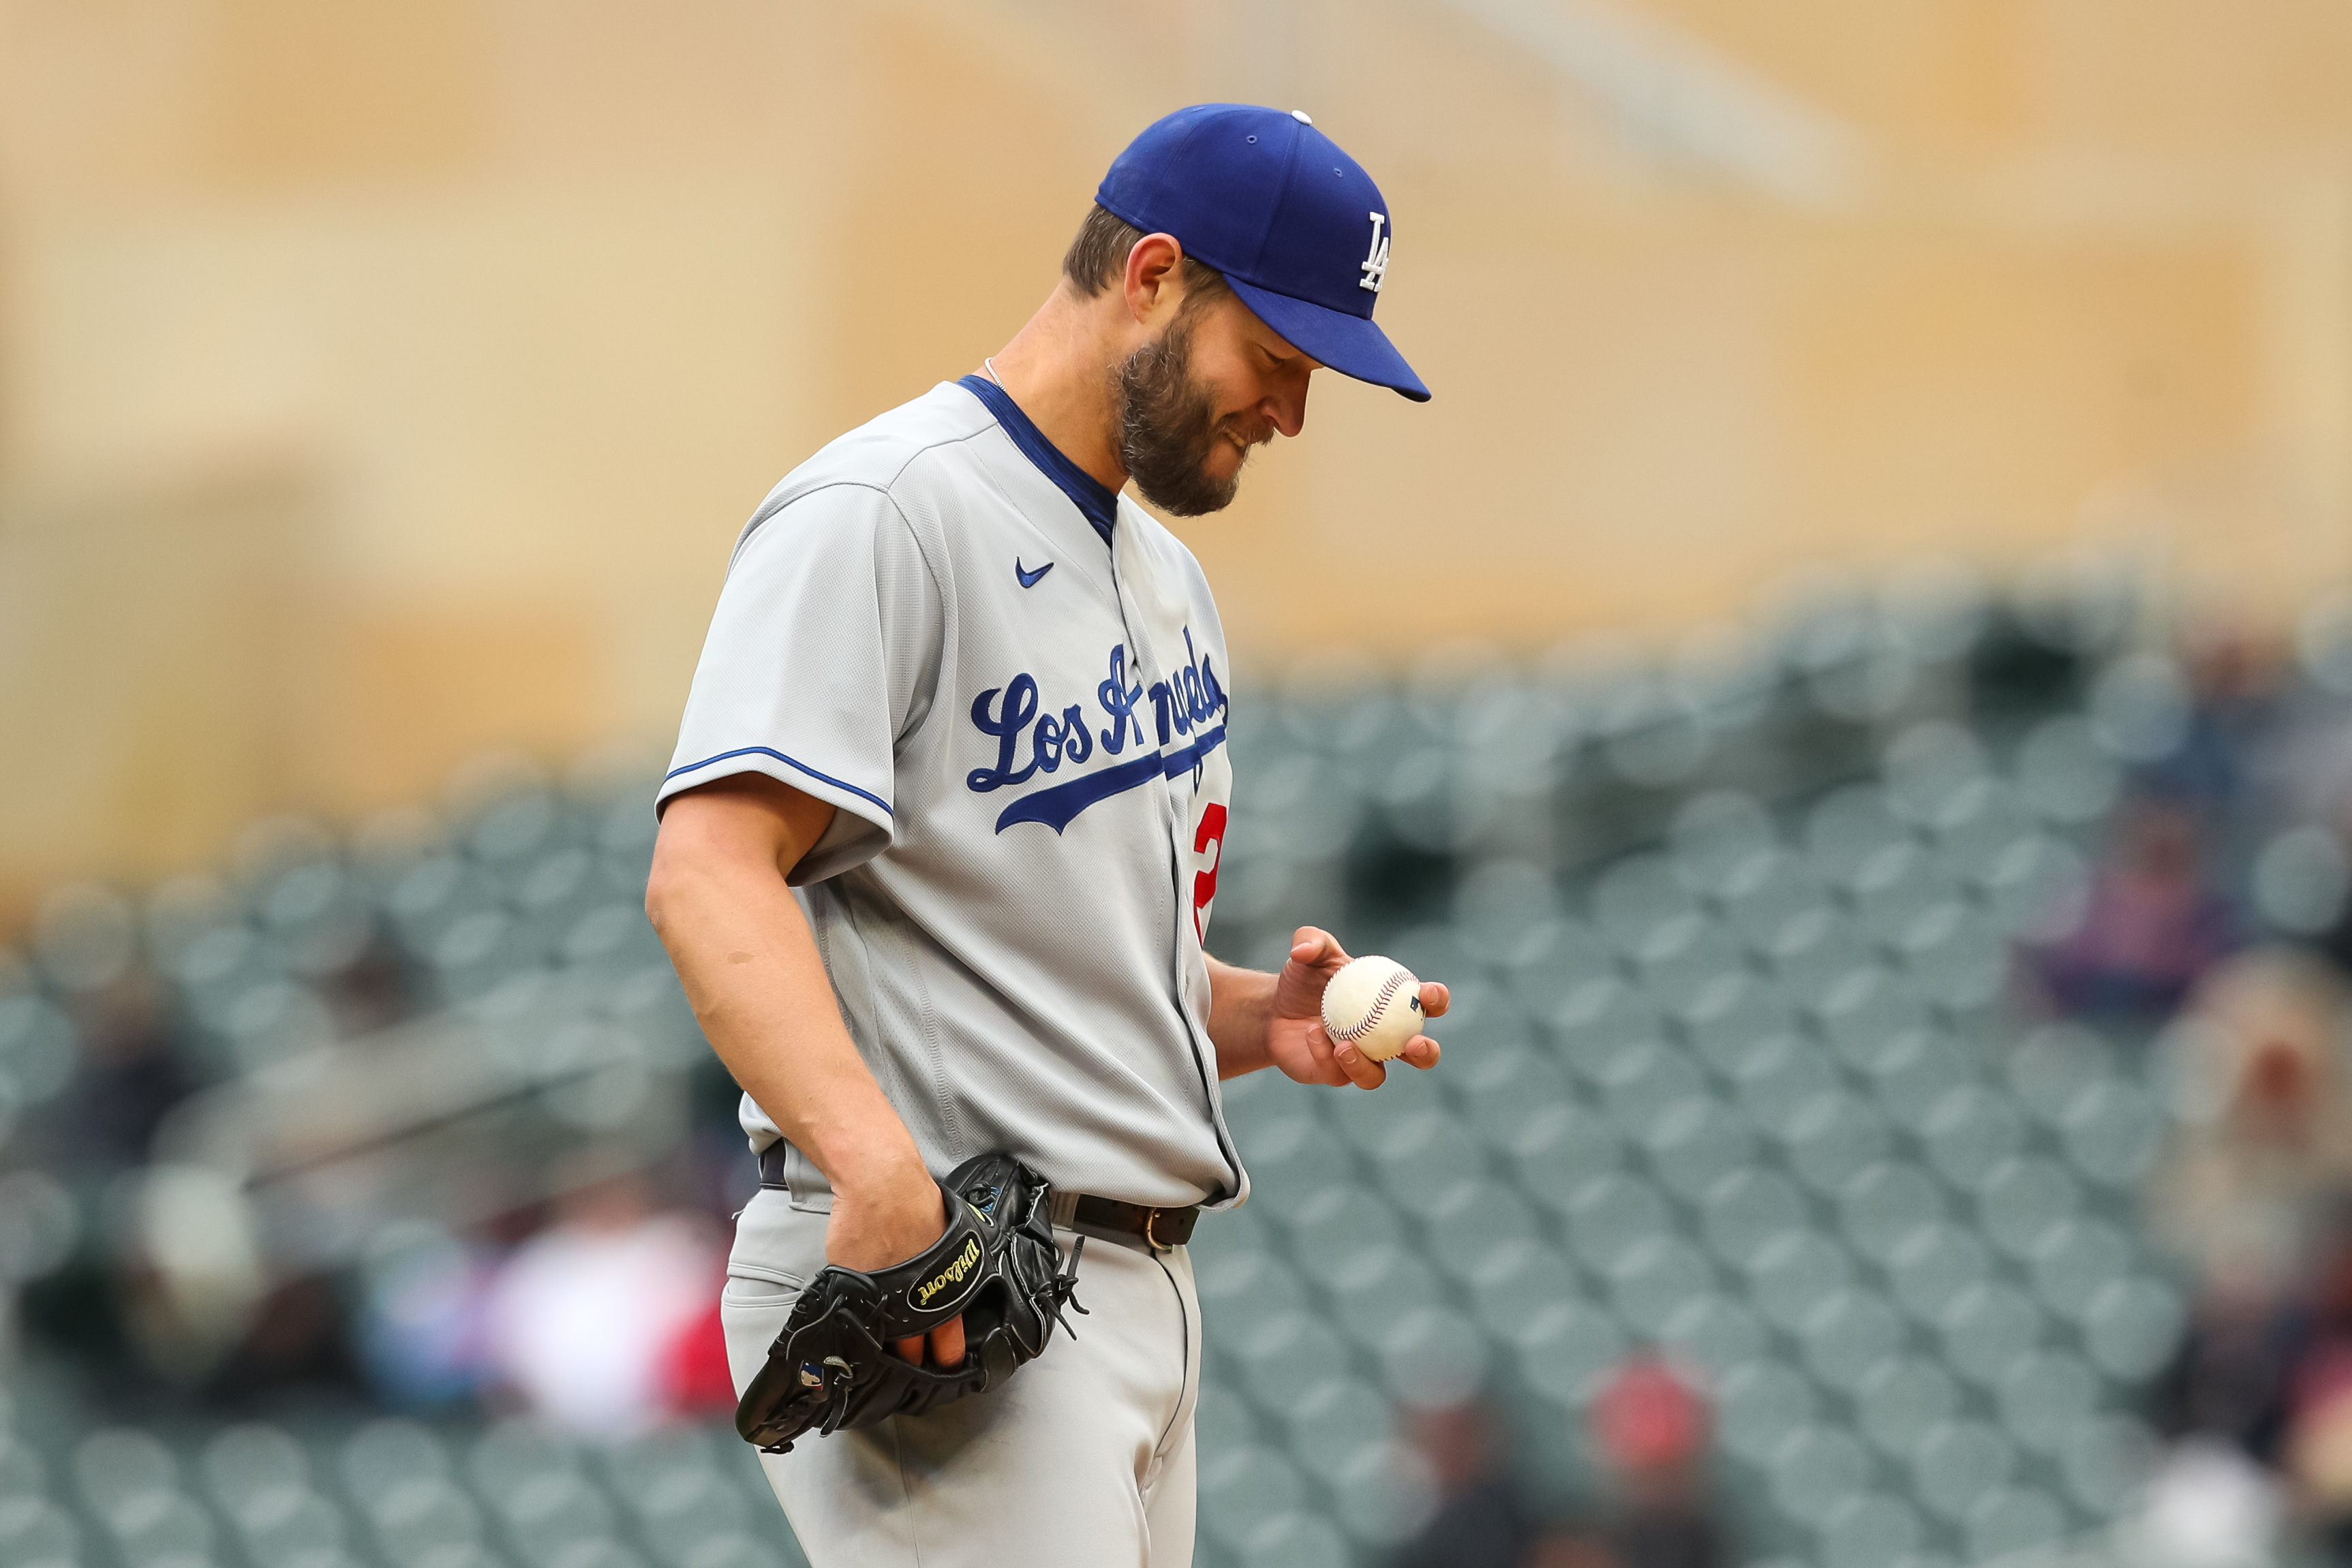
[1168, 428]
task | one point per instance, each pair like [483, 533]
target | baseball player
[938, 849]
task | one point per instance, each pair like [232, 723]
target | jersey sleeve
[821, 655]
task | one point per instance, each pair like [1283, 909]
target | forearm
[1241, 1002]
[750, 966]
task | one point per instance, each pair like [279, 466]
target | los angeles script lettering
[1186, 699]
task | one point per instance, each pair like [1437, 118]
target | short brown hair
[1098, 258]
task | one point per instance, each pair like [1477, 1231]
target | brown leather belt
[1107, 1218]
[1161, 1229]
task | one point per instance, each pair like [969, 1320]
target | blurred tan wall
[382, 382]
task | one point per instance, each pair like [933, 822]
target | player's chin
[1221, 470]
[1205, 489]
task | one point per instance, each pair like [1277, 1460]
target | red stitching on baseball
[1372, 1016]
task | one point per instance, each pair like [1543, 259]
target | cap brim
[1351, 345]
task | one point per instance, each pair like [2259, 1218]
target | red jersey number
[1204, 883]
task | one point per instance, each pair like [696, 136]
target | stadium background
[1919, 437]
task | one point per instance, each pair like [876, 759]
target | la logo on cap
[1376, 264]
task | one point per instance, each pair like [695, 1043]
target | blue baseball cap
[1295, 224]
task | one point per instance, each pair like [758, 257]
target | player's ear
[1154, 279]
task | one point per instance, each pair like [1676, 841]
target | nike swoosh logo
[1029, 578]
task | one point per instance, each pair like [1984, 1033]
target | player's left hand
[1295, 1040]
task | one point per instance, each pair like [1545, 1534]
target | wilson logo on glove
[955, 1273]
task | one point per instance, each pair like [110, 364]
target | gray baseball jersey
[1010, 683]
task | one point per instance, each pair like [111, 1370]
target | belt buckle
[1151, 1218]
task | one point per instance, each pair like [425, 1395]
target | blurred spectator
[1481, 1521]
[2207, 1506]
[2263, 1149]
[2333, 939]
[2317, 1448]
[192, 1271]
[1559, 1550]
[1653, 1427]
[298, 1339]
[583, 1318]
[2152, 923]
[2227, 1379]
[375, 990]
[130, 1076]
[422, 1329]
[695, 1379]
[2228, 764]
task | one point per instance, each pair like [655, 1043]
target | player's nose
[1286, 409]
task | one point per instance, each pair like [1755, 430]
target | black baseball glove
[997, 1267]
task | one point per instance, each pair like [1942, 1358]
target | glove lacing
[1061, 1289]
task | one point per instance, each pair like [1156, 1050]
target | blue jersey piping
[1094, 500]
[789, 762]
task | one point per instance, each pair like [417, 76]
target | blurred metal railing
[1676, 98]
[456, 1117]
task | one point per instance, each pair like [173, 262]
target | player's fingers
[947, 1343]
[910, 1349]
[1314, 947]
[1361, 1069]
[1327, 1062]
[1423, 1051]
[1434, 999]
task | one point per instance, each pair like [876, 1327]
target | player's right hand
[1297, 1041]
[887, 1221]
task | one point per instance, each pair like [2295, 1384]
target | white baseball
[1373, 1003]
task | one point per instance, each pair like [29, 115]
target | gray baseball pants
[1085, 1459]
